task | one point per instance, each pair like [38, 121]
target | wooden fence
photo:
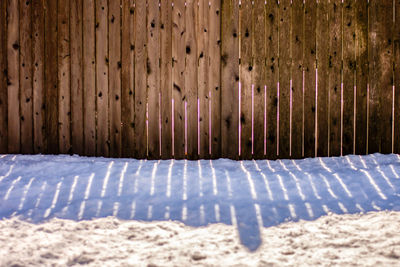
[200, 79]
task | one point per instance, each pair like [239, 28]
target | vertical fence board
[153, 36]
[64, 67]
[396, 79]
[380, 76]
[13, 47]
[203, 86]
[39, 133]
[297, 41]
[258, 78]
[178, 66]
[166, 78]
[3, 77]
[76, 77]
[140, 80]
[335, 70]
[309, 78]
[215, 77]
[89, 77]
[191, 89]
[246, 67]
[271, 35]
[322, 82]
[25, 76]
[349, 66]
[361, 8]
[284, 79]
[114, 51]
[102, 109]
[229, 78]
[127, 79]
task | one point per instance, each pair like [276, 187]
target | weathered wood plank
[3, 78]
[272, 76]
[127, 79]
[230, 79]
[309, 78]
[89, 77]
[245, 74]
[64, 78]
[140, 80]
[380, 76]
[361, 8]
[13, 47]
[297, 41]
[258, 78]
[153, 78]
[114, 80]
[102, 60]
[77, 137]
[25, 76]
[204, 89]
[349, 67]
[284, 147]
[396, 52]
[335, 79]
[178, 93]
[166, 78]
[215, 77]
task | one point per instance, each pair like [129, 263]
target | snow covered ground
[245, 194]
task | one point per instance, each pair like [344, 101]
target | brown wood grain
[153, 77]
[127, 79]
[3, 78]
[114, 81]
[396, 52]
[76, 46]
[89, 77]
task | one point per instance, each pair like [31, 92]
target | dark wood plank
[297, 104]
[77, 137]
[13, 47]
[272, 38]
[396, 52]
[335, 77]
[215, 77]
[178, 71]
[380, 76]
[258, 78]
[309, 78]
[166, 78]
[245, 74]
[3, 78]
[114, 80]
[140, 80]
[284, 126]
[64, 78]
[349, 68]
[102, 60]
[203, 54]
[322, 38]
[25, 76]
[229, 78]
[361, 9]
[89, 77]
[127, 78]
[153, 78]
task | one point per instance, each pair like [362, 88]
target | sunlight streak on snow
[372, 182]
[214, 179]
[202, 215]
[86, 196]
[328, 186]
[71, 192]
[153, 177]
[12, 187]
[362, 162]
[267, 187]
[55, 199]
[385, 177]
[324, 165]
[184, 212]
[285, 194]
[376, 207]
[121, 179]
[296, 180]
[297, 166]
[309, 210]
[269, 166]
[258, 215]
[106, 178]
[342, 207]
[394, 171]
[133, 209]
[26, 189]
[139, 168]
[292, 211]
[217, 213]
[342, 184]
[7, 174]
[250, 180]
[360, 208]
[350, 163]
[313, 185]
[326, 209]
[116, 208]
[149, 212]
[228, 183]
[233, 215]
[169, 178]
[283, 165]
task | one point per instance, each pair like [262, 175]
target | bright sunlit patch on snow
[121, 179]
[214, 179]
[169, 177]
[153, 177]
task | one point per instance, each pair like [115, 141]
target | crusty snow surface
[235, 205]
